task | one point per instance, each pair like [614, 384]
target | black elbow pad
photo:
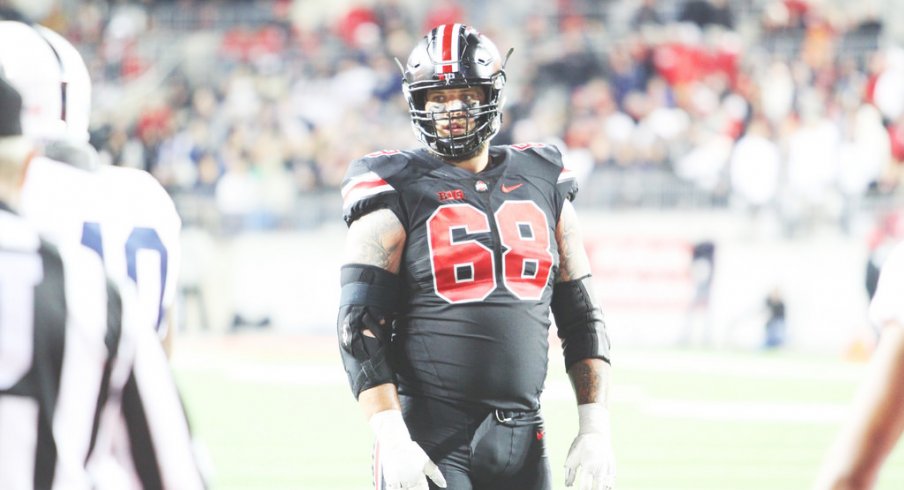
[580, 321]
[369, 301]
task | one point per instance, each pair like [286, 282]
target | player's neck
[477, 163]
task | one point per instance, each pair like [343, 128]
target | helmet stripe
[455, 35]
[448, 37]
[438, 43]
[440, 39]
[437, 54]
[447, 48]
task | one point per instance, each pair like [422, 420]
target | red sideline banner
[642, 272]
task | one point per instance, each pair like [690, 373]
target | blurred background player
[776, 328]
[70, 346]
[702, 270]
[123, 215]
[467, 247]
[875, 423]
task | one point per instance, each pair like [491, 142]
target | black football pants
[480, 449]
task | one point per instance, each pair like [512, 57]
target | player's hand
[591, 459]
[403, 464]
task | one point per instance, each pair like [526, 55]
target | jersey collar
[441, 168]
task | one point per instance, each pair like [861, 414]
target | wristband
[593, 418]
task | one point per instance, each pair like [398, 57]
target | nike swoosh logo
[508, 189]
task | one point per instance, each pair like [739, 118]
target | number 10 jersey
[479, 263]
[122, 214]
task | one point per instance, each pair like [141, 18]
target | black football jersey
[479, 264]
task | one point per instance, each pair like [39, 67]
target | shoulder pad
[145, 195]
[366, 181]
[79, 155]
[384, 162]
[549, 153]
[366, 177]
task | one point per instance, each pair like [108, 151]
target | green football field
[275, 412]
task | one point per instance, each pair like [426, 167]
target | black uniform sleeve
[567, 184]
[366, 189]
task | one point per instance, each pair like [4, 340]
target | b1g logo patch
[452, 195]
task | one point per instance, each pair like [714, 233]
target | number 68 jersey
[122, 214]
[479, 264]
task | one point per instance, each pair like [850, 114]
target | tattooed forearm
[590, 380]
[376, 239]
[573, 261]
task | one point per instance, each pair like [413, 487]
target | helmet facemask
[455, 56]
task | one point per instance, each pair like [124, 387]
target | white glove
[591, 454]
[403, 463]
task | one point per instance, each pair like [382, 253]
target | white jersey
[123, 214]
[887, 304]
[75, 356]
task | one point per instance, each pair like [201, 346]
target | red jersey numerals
[382, 153]
[526, 263]
[464, 269]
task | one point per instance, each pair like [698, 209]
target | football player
[123, 215]
[455, 255]
[71, 345]
[868, 436]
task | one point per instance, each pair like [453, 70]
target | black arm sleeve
[580, 322]
[369, 300]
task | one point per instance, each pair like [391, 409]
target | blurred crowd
[782, 106]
